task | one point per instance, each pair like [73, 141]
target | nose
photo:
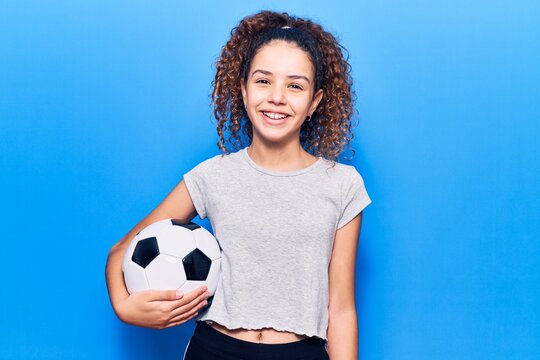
[276, 95]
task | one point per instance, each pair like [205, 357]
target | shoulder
[346, 178]
[215, 162]
[211, 161]
[222, 159]
[339, 171]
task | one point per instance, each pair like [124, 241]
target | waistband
[210, 337]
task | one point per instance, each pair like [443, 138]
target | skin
[275, 147]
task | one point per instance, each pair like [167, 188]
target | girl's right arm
[152, 308]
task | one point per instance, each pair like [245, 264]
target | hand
[160, 309]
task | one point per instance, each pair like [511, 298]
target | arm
[342, 322]
[177, 205]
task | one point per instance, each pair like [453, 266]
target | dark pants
[206, 343]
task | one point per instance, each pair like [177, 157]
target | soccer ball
[170, 255]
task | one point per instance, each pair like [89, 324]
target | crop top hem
[253, 326]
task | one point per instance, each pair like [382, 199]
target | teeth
[275, 116]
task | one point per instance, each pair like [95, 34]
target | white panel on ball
[153, 228]
[165, 273]
[191, 285]
[176, 241]
[213, 276]
[207, 243]
[135, 277]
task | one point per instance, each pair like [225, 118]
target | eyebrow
[289, 76]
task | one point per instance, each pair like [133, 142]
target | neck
[284, 158]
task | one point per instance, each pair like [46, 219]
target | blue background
[105, 105]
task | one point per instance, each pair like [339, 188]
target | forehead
[282, 58]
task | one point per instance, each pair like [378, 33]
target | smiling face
[279, 92]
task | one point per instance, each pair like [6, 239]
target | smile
[275, 119]
[274, 116]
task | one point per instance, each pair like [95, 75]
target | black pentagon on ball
[196, 265]
[190, 225]
[145, 251]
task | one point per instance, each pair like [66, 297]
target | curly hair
[330, 127]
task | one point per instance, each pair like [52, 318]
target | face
[279, 92]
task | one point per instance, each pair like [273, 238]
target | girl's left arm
[342, 330]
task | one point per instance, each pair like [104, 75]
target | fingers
[161, 295]
[181, 321]
[190, 307]
[187, 298]
[187, 311]
[182, 316]
[187, 303]
[171, 309]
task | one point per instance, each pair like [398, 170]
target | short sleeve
[196, 183]
[354, 198]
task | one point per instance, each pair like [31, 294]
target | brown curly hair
[330, 127]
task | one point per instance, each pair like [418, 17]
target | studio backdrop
[105, 105]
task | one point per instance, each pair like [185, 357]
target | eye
[297, 86]
[258, 81]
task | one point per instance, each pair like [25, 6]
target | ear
[316, 100]
[243, 88]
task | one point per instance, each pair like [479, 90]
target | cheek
[299, 103]
[255, 99]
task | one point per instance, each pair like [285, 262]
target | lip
[272, 121]
[273, 111]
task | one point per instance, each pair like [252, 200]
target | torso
[264, 335]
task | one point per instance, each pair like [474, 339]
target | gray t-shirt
[276, 231]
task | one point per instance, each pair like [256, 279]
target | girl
[286, 214]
